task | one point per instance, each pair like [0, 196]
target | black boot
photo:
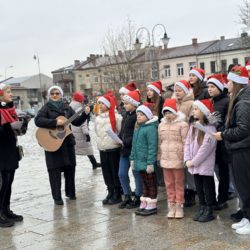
[189, 198]
[207, 215]
[116, 197]
[4, 221]
[127, 200]
[199, 213]
[93, 161]
[135, 203]
[108, 197]
[11, 216]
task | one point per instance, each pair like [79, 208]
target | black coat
[237, 132]
[46, 118]
[8, 142]
[220, 104]
[127, 131]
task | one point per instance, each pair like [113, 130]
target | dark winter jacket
[220, 104]
[46, 118]
[237, 132]
[127, 131]
[203, 93]
[8, 142]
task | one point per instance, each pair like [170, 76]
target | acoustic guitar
[51, 139]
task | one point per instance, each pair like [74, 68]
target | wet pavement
[87, 224]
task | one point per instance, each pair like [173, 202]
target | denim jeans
[124, 166]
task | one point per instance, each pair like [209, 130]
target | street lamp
[40, 81]
[165, 39]
[5, 71]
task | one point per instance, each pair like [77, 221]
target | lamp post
[165, 39]
[5, 71]
[40, 81]
[151, 51]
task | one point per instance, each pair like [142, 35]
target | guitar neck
[73, 117]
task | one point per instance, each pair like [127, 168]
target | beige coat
[171, 141]
[185, 106]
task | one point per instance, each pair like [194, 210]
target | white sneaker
[240, 224]
[244, 230]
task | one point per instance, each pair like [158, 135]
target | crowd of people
[181, 142]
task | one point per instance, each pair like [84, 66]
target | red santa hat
[127, 88]
[217, 80]
[133, 97]
[184, 85]
[145, 108]
[109, 102]
[2, 87]
[78, 97]
[156, 86]
[248, 65]
[238, 74]
[170, 105]
[200, 73]
[205, 106]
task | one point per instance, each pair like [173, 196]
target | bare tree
[120, 63]
[244, 13]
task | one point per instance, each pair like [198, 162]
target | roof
[17, 80]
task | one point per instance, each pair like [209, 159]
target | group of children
[166, 132]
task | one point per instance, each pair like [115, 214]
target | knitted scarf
[8, 115]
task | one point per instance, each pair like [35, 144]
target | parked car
[30, 112]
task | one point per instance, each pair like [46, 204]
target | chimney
[76, 62]
[92, 56]
[194, 41]
[119, 53]
[244, 34]
[222, 38]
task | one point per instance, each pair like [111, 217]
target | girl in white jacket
[109, 149]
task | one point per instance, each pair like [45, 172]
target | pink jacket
[185, 106]
[171, 140]
[202, 156]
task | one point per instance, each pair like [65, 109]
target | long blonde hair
[236, 89]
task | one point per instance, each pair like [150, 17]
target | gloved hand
[16, 125]
[132, 165]
[87, 138]
[150, 169]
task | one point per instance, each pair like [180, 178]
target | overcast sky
[61, 31]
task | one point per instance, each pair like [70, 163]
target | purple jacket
[202, 156]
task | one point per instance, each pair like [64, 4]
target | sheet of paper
[202, 128]
[113, 136]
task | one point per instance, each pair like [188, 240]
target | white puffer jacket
[102, 124]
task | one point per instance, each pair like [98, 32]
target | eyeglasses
[55, 93]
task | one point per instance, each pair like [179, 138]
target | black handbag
[20, 153]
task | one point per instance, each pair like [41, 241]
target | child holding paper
[109, 149]
[199, 157]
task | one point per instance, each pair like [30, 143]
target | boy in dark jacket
[131, 102]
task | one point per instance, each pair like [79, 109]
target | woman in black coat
[237, 139]
[62, 160]
[10, 127]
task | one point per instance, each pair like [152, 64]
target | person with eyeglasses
[64, 159]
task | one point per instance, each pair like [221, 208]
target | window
[192, 65]
[212, 66]
[223, 66]
[80, 76]
[140, 75]
[235, 61]
[246, 60]
[202, 65]
[105, 79]
[96, 78]
[154, 72]
[167, 71]
[180, 70]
